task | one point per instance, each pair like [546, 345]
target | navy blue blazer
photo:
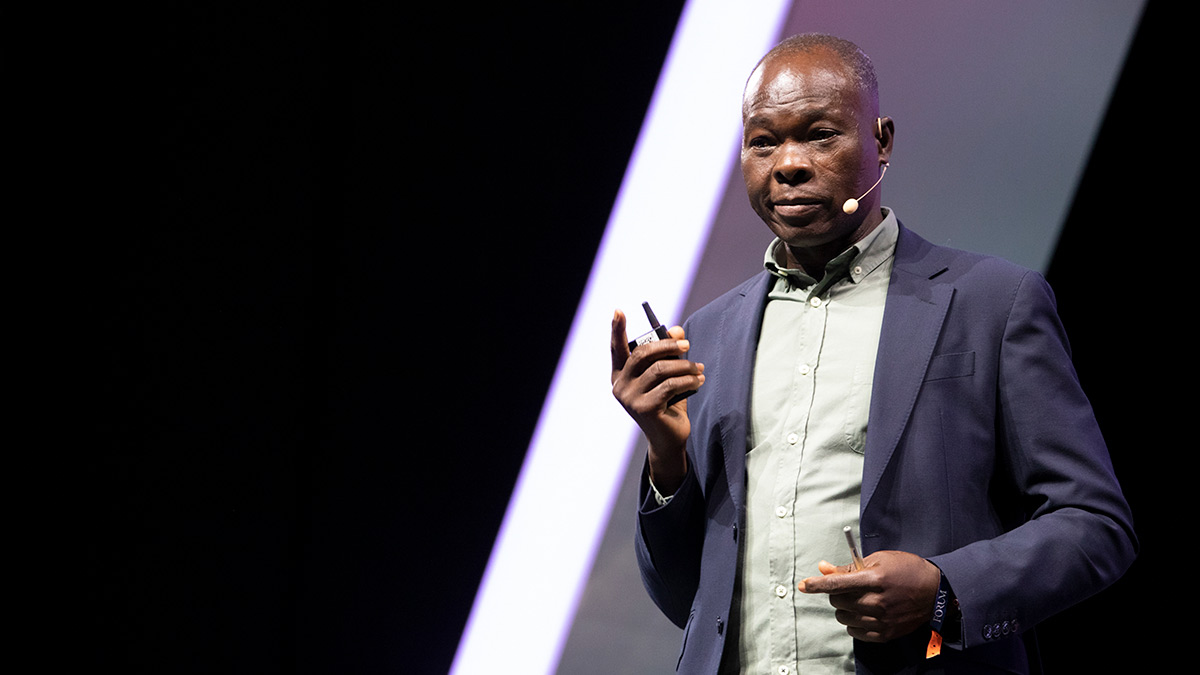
[982, 455]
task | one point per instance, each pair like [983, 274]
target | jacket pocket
[945, 366]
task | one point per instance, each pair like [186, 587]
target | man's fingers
[826, 568]
[645, 380]
[619, 342]
[619, 345]
[662, 380]
[840, 579]
[865, 628]
[863, 622]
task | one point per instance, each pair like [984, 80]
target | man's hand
[893, 596]
[645, 382]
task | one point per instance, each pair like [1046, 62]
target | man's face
[809, 145]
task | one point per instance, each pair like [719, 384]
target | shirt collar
[860, 259]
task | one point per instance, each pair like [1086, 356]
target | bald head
[858, 65]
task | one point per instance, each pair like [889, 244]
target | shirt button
[792, 438]
[814, 301]
[858, 269]
[783, 670]
[805, 369]
[781, 590]
[781, 511]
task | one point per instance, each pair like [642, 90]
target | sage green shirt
[809, 405]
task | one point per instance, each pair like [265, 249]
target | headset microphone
[851, 205]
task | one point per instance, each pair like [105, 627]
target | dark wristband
[946, 614]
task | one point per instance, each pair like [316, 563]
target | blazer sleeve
[1077, 536]
[668, 545]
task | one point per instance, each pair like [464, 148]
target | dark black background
[342, 247]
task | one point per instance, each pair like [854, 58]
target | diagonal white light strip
[657, 229]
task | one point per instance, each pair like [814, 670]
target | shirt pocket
[857, 407]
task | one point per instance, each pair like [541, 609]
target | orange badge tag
[935, 645]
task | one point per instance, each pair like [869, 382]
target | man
[983, 492]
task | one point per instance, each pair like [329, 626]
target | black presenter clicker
[657, 332]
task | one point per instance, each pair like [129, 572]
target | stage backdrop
[996, 108]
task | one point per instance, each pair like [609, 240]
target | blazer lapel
[912, 321]
[738, 335]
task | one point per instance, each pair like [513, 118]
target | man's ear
[885, 131]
